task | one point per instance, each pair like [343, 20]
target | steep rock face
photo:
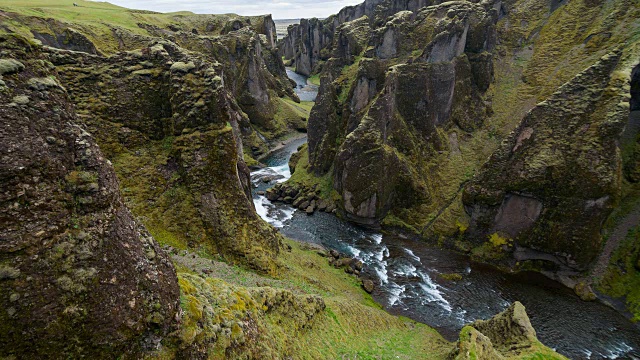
[162, 93]
[311, 42]
[78, 275]
[377, 122]
[64, 37]
[252, 70]
[555, 179]
[306, 44]
[630, 140]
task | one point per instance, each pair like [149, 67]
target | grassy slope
[97, 19]
[622, 279]
[352, 324]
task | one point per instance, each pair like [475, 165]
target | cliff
[79, 276]
[310, 43]
[413, 129]
[244, 46]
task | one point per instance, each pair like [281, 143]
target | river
[408, 278]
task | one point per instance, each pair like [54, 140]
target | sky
[280, 9]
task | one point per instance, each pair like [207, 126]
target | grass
[350, 325]
[96, 19]
[314, 79]
[289, 118]
[302, 109]
[96, 14]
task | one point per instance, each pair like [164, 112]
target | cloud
[280, 9]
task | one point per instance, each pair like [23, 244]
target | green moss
[9, 272]
[10, 66]
[164, 205]
[487, 251]
[182, 67]
[304, 176]
[314, 79]
[392, 220]
[496, 240]
[622, 279]
[346, 79]
[283, 317]
[451, 277]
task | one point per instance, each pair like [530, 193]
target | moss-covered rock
[540, 187]
[221, 320]
[506, 335]
[183, 105]
[79, 276]
[380, 113]
[402, 127]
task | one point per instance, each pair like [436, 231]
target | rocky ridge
[402, 155]
[244, 46]
[310, 43]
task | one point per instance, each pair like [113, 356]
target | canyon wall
[414, 124]
[78, 274]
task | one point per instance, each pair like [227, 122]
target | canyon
[142, 153]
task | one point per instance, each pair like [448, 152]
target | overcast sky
[280, 9]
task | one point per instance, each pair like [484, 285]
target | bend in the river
[409, 279]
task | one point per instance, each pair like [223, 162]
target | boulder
[584, 291]
[272, 194]
[342, 262]
[367, 285]
[297, 202]
[357, 264]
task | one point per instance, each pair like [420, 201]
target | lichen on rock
[506, 335]
[75, 263]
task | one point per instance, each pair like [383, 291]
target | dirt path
[619, 233]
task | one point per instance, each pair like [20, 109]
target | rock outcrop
[555, 179]
[378, 119]
[162, 93]
[505, 335]
[177, 106]
[311, 42]
[243, 46]
[78, 275]
[241, 322]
